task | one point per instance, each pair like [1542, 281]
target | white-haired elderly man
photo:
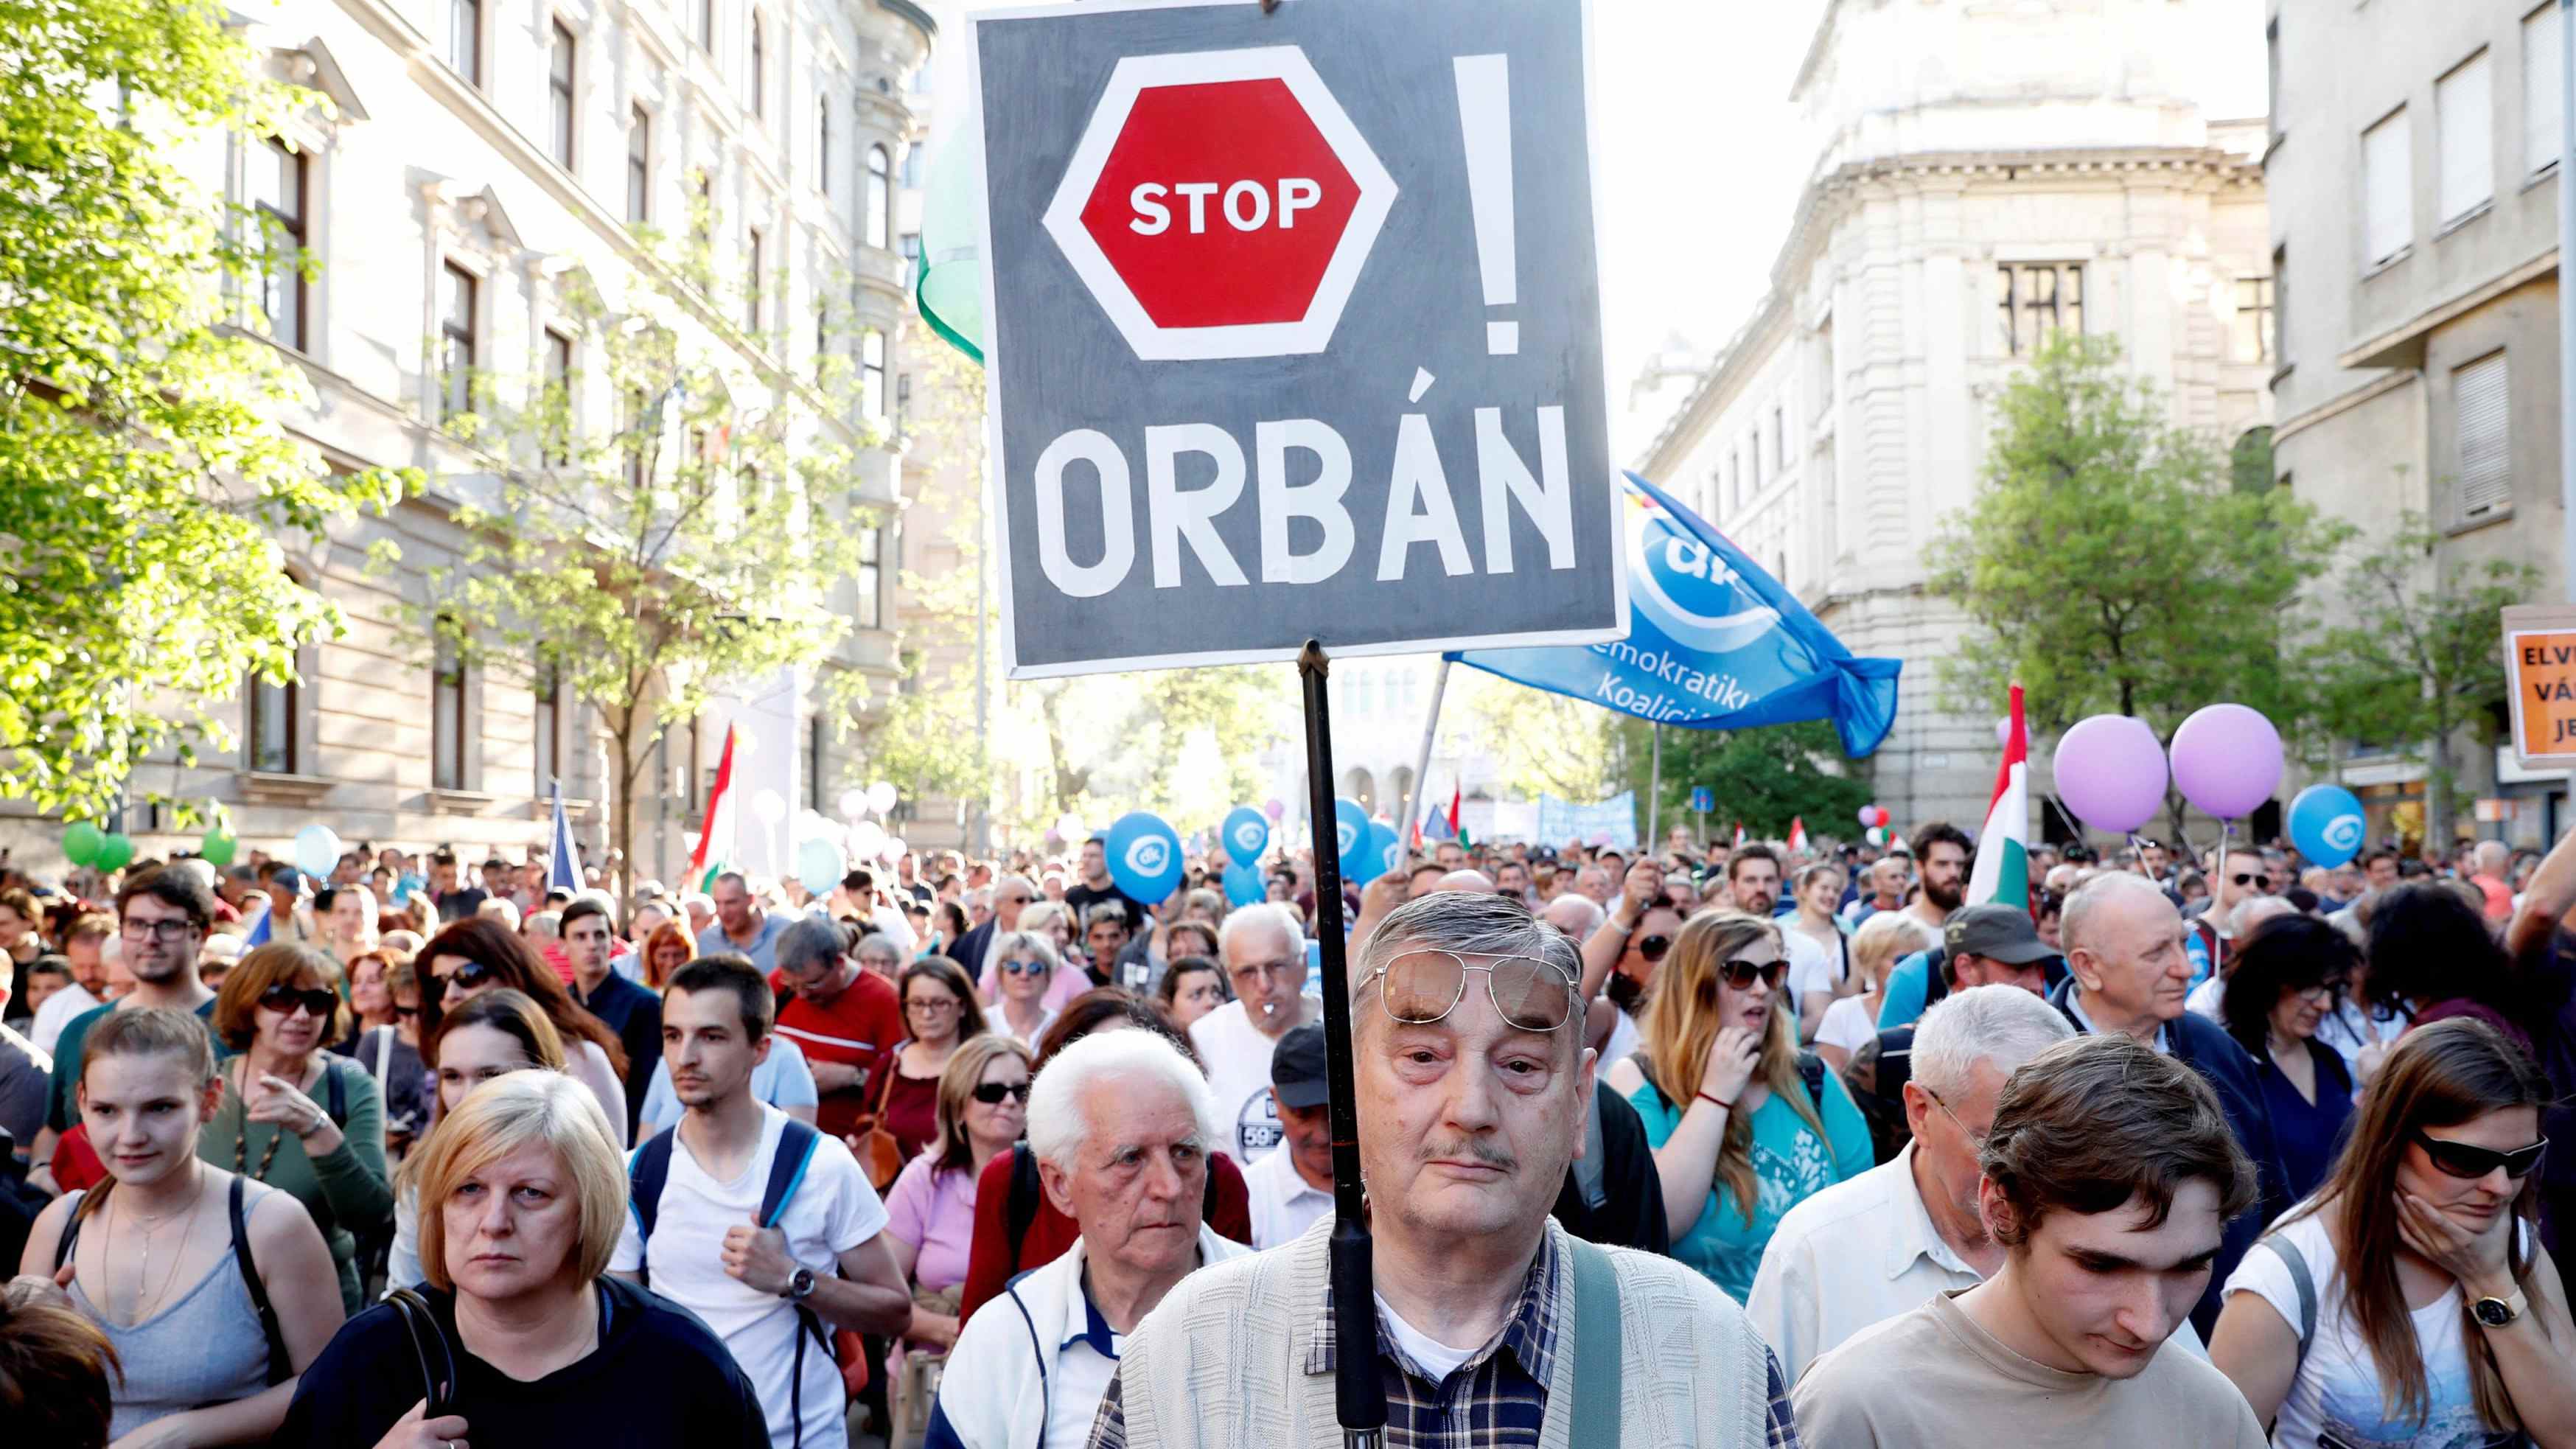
[1121, 1125]
[1875, 1246]
[1472, 1083]
[1264, 951]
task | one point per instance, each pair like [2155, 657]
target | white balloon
[853, 803]
[895, 849]
[1069, 825]
[866, 836]
[769, 806]
[317, 850]
[881, 797]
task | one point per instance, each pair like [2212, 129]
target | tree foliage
[2409, 659]
[144, 477]
[1762, 778]
[706, 540]
[1545, 743]
[2110, 565]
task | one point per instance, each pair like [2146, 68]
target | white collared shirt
[2163, 1044]
[1283, 1203]
[1853, 1256]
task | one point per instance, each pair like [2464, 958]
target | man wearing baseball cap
[1984, 945]
[1292, 1188]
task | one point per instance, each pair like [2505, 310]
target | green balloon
[218, 848]
[81, 843]
[114, 853]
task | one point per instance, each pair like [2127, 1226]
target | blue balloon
[1246, 833]
[1350, 839]
[1243, 884]
[1144, 856]
[1383, 853]
[2327, 825]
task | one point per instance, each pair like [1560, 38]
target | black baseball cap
[1997, 932]
[1297, 1068]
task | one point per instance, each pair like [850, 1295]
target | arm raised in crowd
[2546, 900]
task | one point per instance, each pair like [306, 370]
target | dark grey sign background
[1419, 302]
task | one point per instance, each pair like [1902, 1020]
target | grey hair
[1103, 911]
[811, 939]
[1469, 923]
[1058, 1127]
[1011, 943]
[1259, 914]
[2254, 910]
[2005, 1025]
[2090, 897]
[879, 943]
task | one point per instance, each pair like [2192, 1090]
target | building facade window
[912, 167]
[751, 282]
[880, 217]
[1780, 436]
[2250, 333]
[707, 26]
[548, 746]
[561, 423]
[639, 166]
[2387, 189]
[817, 753]
[872, 374]
[465, 39]
[902, 398]
[2281, 305]
[871, 579]
[909, 244]
[279, 177]
[559, 94]
[457, 341]
[702, 216]
[638, 446]
[2464, 114]
[759, 67]
[2037, 300]
[268, 724]
[447, 711]
[823, 143]
[2541, 93]
[2481, 422]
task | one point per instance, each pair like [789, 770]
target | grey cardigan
[1221, 1361]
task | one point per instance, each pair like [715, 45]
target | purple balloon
[2111, 772]
[2227, 760]
[1273, 808]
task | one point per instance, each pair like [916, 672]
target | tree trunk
[623, 819]
[2439, 826]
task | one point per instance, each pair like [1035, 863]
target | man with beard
[1941, 852]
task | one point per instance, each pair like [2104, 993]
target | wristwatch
[2497, 1312]
[800, 1286]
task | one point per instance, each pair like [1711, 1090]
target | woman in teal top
[1727, 1110]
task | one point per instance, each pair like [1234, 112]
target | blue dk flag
[563, 865]
[1714, 642]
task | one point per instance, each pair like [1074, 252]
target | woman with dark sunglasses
[2410, 1301]
[930, 1210]
[2287, 977]
[1744, 1125]
[293, 1115]
[468, 958]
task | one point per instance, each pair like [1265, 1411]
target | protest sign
[2540, 674]
[1293, 331]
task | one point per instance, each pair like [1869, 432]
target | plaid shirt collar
[1530, 1336]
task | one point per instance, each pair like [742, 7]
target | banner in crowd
[1609, 822]
[1714, 642]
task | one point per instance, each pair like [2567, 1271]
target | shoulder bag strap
[796, 1144]
[335, 1092]
[281, 1365]
[71, 1230]
[384, 1055]
[1595, 1416]
[438, 1373]
[2305, 1282]
[646, 1171]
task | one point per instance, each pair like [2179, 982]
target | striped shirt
[1497, 1399]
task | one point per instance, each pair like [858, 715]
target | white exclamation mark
[1485, 122]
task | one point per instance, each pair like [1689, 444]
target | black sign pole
[1358, 1396]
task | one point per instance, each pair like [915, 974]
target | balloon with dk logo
[1381, 853]
[1245, 833]
[1144, 856]
[1243, 884]
[2327, 825]
[1350, 837]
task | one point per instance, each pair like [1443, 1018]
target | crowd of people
[1710, 1145]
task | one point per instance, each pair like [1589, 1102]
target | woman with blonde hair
[489, 1036]
[1030, 970]
[519, 1335]
[1744, 1125]
[1852, 1021]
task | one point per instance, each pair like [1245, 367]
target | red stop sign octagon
[1220, 204]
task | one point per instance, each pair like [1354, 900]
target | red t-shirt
[860, 1028]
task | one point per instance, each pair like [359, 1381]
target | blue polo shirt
[763, 949]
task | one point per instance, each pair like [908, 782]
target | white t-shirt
[69, 1000]
[1427, 1353]
[1283, 1203]
[2335, 1398]
[1624, 1039]
[1848, 1024]
[1082, 1374]
[833, 1210]
[1813, 966]
[1238, 1066]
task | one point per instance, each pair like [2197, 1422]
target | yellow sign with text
[2540, 674]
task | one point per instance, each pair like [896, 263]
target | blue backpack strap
[647, 1169]
[796, 1144]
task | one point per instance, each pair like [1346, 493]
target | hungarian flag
[715, 841]
[1797, 833]
[2002, 872]
[1739, 835]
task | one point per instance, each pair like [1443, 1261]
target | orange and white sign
[2540, 675]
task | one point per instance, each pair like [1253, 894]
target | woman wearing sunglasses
[1743, 1124]
[2286, 978]
[1025, 965]
[2410, 1301]
[468, 958]
[930, 1210]
[293, 1115]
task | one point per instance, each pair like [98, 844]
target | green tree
[2410, 658]
[1762, 778]
[709, 539]
[2110, 565]
[1545, 743]
[144, 480]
